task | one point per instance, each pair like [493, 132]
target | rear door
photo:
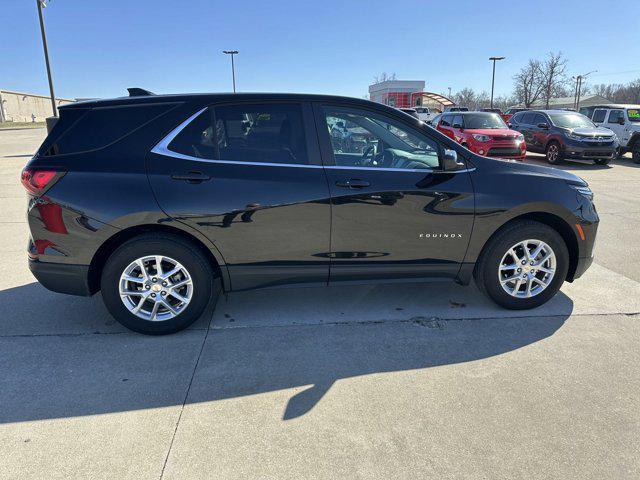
[395, 213]
[249, 177]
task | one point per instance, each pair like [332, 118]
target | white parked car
[624, 120]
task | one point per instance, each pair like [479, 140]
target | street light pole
[40, 4]
[233, 67]
[493, 77]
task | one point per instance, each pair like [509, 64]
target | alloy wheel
[552, 153]
[527, 268]
[155, 288]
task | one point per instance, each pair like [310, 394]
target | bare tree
[383, 77]
[528, 83]
[465, 97]
[552, 76]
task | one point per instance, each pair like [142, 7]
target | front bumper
[62, 277]
[584, 151]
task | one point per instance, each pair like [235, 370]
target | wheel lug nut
[164, 293]
[532, 262]
[154, 279]
[519, 270]
[153, 295]
[523, 262]
[164, 284]
[147, 287]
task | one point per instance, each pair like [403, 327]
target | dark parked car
[149, 198]
[561, 134]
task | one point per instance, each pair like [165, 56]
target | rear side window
[615, 116]
[598, 116]
[100, 127]
[263, 133]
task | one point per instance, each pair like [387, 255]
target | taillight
[36, 181]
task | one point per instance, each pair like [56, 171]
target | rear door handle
[352, 183]
[191, 177]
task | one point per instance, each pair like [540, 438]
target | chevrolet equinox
[156, 199]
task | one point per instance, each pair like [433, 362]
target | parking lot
[388, 381]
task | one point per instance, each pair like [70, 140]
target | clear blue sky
[100, 47]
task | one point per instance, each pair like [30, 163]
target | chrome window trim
[162, 148]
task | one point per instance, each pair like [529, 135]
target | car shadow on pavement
[51, 371]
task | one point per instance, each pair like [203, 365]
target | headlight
[481, 138]
[584, 191]
[573, 136]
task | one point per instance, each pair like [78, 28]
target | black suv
[154, 199]
[561, 134]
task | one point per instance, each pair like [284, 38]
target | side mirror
[450, 161]
[543, 125]
[509, 124]
[621, 121]
[457, 125]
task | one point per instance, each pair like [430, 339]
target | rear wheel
[635, 152]
[156, 284]
[554, 153]
[523, 265]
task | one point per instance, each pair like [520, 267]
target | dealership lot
[389, 381]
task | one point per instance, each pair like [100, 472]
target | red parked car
[483, 133]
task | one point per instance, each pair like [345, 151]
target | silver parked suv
[624, 120]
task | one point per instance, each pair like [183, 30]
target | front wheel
[156, 284]
[602, 161]
[554, 153]
[523, 265]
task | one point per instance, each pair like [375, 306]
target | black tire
[602, 161]
[635, 152]
[554, 153]
[175, 247]
[486, 271]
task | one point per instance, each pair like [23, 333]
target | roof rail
[139, 92]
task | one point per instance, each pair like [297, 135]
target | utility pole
[579, 87]
[40, 4]
[493, 77]
[233, 67]
[449, 92]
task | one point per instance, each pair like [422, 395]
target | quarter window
[261, 133]
[367, 139]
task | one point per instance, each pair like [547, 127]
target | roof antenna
[139, 92]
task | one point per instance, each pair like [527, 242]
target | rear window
[98, 127]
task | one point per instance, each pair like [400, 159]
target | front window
[477, 121]
[633, 114]
[598, 116]
[366, 139]
[571, 120]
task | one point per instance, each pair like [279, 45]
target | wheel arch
[112, 243]
[553, 221]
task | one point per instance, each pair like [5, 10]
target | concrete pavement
[388, 381]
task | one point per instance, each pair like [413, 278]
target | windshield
[571, 120]
[633, 114]
[476, 121]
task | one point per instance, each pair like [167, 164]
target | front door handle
[352, 183]
[191, 177]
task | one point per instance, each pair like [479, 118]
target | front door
[395, 212]
[614, 123]
[249, 177]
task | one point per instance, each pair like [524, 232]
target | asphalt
[364, 382]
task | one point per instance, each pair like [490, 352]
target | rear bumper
[62, 278]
